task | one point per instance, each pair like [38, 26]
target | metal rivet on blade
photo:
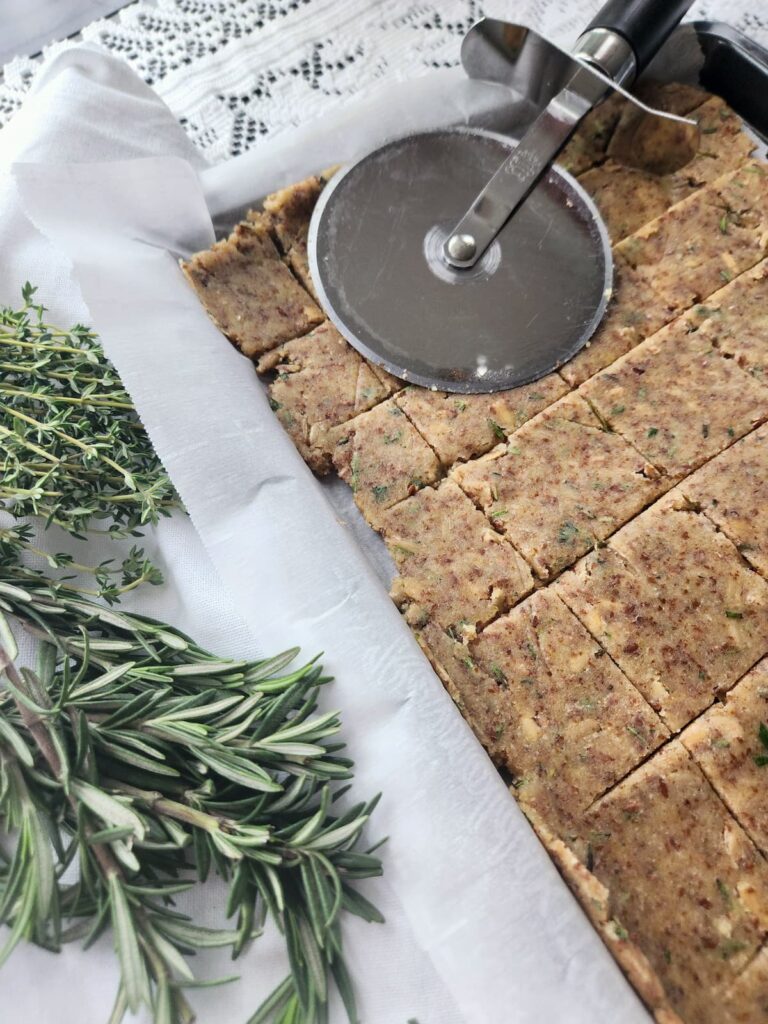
[461, 247]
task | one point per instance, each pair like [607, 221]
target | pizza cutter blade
[460, 261]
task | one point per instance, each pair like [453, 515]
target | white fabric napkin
[479, 925]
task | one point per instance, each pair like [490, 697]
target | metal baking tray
[721, 60]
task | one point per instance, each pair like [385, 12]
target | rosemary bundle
[134, 763]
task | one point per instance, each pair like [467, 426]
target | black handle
[645, 24]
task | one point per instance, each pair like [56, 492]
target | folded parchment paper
[480, 926]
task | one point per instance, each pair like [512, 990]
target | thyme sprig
[153, 763]
[73, 450]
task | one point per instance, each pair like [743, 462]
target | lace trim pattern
[234, 71]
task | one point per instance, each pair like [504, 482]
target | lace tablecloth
[234, 71]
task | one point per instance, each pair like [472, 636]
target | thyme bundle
[145, 761]
[74, 452]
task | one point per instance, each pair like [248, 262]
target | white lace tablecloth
[235, 71]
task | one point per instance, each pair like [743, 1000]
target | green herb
[705, 430]
[73, 449]
[653, 431]
[730, 948]
[667, 956]
[617, 410]
[708, 131]
[152, 763]
[762, 734]
[380, 492]
[725, 892]
[726, 276]
[134, 753]
[636, 733]
[568, 531]
[497, 430]
[498, 674]
[274, 405]
[724, 222]
[460, 404]
[393, 438]
[619, 930]
[354, 480]
[731, 432]
[729, 614]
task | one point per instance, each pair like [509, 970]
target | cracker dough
[383, 458]
[725, 741]
[320, 382]
[678, 260]
[734, 320]
[290, 210]
[561, 484]
[248, 291]
[677, 400]
[732, 491]
[569, 724]
[459, 427]
[686, 885]
[671, 601]
[455, 569]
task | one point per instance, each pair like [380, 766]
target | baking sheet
[480, 926]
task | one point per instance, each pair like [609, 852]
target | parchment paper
[480, 926]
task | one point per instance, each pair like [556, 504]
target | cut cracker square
[460, 427]
[686, 884]
[382, 457]
[672, 602]
[677, 400]
[248, 291]
[455, 569]
[320, 382]
[561, 484]
[730, 744]
[567, 722]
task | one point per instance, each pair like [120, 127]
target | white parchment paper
[480, 926]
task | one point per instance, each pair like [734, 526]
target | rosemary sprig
[153, 763]
[73, 450]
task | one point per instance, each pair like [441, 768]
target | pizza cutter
[460, 260]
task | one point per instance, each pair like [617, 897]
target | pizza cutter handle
[644, 24]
